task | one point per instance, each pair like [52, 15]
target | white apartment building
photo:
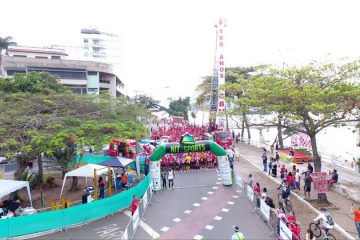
[82, 77]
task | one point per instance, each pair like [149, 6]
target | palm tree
[4, 45]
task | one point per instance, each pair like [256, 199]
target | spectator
[334, 178]
[274, 169]
[280, 215]
[263, 194]
[230, 154]
[256, 190]
[264, 160]
[356, 213]
[309, 235]
[270, 202]
[171, 177]
[282, 172]
[295, 229]
[101, 187]
[134, 204]
[307, 187]
[272, 149]
[270, 164]
[298, 180]
[310, 168]
[233, 134]
[251, 180]
[277, 158]
[147, 165]
[163, 178]
[124, 180]
[291, 217]
[291, 181]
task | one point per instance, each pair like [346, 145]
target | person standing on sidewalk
[307, 187]
[171, 177]
[251, 180]
[356, 213]
[163, 178]
[264, 160]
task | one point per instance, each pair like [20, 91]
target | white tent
[9, 186]
[85, 171]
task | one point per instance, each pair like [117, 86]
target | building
[82, 77]
[100, 45]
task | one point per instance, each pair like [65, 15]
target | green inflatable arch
[200, 146]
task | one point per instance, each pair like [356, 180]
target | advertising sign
[145, 199]
[265, 210]
[250, 193]
[225, 170]
[135, 219]
[196, 147]
[285, 232]
[155, 175]
[320, 182]
[220, 62]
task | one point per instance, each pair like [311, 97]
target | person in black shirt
[310, 168]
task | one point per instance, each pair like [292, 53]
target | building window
[41, 57]
[24, 56]
[86, 40]
[92, 73]
[63, 74]
[12, 72]
[55, 57]
[96, 50]
[96, 41]
[92, 90]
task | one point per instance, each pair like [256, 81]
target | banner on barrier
[125, 235]
[136, 219]
[145, 199]
[285, 232]
[250, 193]
[265, 210]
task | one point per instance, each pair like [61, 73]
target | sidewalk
[347, 180]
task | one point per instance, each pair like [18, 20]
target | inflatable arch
[188, 145]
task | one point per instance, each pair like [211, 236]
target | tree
[4, 45]
[310, 98]
[147, 102]
[179, 107]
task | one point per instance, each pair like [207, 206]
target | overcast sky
[171, 43]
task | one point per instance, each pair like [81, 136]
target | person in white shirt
[171, 177]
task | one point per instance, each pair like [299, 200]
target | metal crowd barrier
[278, 226]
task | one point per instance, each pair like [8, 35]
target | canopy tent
[9, 186]
[117, 162]
[85, 171]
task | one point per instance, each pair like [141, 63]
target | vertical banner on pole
[220, 66]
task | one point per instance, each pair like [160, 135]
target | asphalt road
[199, 207]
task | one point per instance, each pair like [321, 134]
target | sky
[168, 45]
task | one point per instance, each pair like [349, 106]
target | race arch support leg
[225, 170]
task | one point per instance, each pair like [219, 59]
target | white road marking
[230, 203]
[177, 220]
[218, 183]
[164, 229]
[215, 187]
[210, 193]
[217, 218]
[204, 198]
[144, 226]
[225, 210]
[187, 211]
[198, 237]
[110, 231]
[238, 191]
[218, 178]
[196, 204]
[235, 196]
[209, 227]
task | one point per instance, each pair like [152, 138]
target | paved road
[199, 206]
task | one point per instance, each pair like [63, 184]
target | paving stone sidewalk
[348, 180]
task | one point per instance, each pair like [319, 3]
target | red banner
[320, 182]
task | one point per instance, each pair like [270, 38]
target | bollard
[68, 203]
[57, 206]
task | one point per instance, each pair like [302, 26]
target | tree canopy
[179, 107]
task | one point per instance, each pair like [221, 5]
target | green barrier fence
[94, 159]
[64, 218]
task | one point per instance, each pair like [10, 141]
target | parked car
[3, 160]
